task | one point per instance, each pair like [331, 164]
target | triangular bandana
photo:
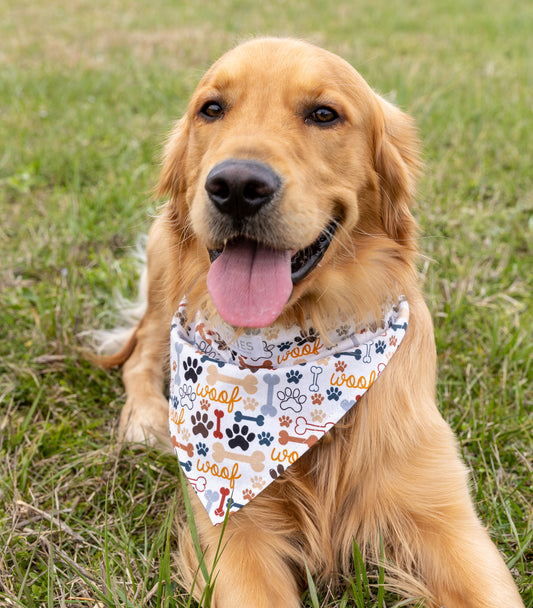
[243, 409]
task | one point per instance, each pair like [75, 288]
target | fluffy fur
[392, 467]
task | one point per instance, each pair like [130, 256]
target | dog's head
[290, 184]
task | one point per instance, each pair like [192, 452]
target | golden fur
[392, 466]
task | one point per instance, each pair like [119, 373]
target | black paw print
[275, 473]
[304, 337]
[294, 376]
[285, 346]
[202, 449]
[202, 425]
[333, 394]
[343, 331]
[239, 437]
[192, 369]
[265, 439]
[380, 347]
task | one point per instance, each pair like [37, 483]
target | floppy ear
[397, 164]
[172, 179]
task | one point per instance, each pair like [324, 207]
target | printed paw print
[205, 405]
[393, 341]
[271, 333]
[310, 336]
[285, 346]
[265, 439]
[285, 421]
[239, 437]
[380, 347]
[317, 416]
[294, 376]
[192, 369]
[174, 401]
[202, 449]
[343, 331]
[186, 435]
[258, 483]
[275, 473]
[174, 366]
[333, 393]
[250, 404]
[248, 494]
[201, 424]
[340, 366]
[317, 399]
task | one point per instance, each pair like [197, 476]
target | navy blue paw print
[175, 401]
[192, 369]
[265, 439]
[294, 376]
[202, 449]
[239, 437]
[333, 394]
[285, 346]
[380, 347]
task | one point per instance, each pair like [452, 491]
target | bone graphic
[199, 484]
[186, 466]
[219, 414]
[268, 409]
[346, 404]
[231, 504]
[259, 420]
[316, 371]
[302, 426]
[285, 438]
[211, 497]
[256, 459]
[248, 383]
[219, 511]
[179, 348]
[206, 358]
[367, 358]
[188, 448]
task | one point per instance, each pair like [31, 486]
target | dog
[289, 185]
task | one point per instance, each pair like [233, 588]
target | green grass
[87, 92]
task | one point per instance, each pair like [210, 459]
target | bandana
[245, 407]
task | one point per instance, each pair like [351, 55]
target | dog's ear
[397, 159]
[172, 179]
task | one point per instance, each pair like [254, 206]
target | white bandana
[244, 409]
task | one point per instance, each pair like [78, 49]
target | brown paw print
[204, 403]
[285, 421]
[317, 399]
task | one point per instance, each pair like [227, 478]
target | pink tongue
[250, 283]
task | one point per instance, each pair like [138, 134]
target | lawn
[88, 91]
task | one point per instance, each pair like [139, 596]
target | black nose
[240, 188]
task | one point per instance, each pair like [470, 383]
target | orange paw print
[248, 494]
[285, 421]
[258, 483]
[317, 399]
[205, 404]
[393, 341]
[340, 366]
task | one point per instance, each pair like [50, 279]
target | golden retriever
[281, 141]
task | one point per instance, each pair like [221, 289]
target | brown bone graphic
[248, 383]
[255, 459]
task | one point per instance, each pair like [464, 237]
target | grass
[87, 92]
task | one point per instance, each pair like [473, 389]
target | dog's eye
[212, 110]
[323, 116]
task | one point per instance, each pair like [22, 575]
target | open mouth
[250, 283]
[304, 260]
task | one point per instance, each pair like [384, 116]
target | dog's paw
[145, 421]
